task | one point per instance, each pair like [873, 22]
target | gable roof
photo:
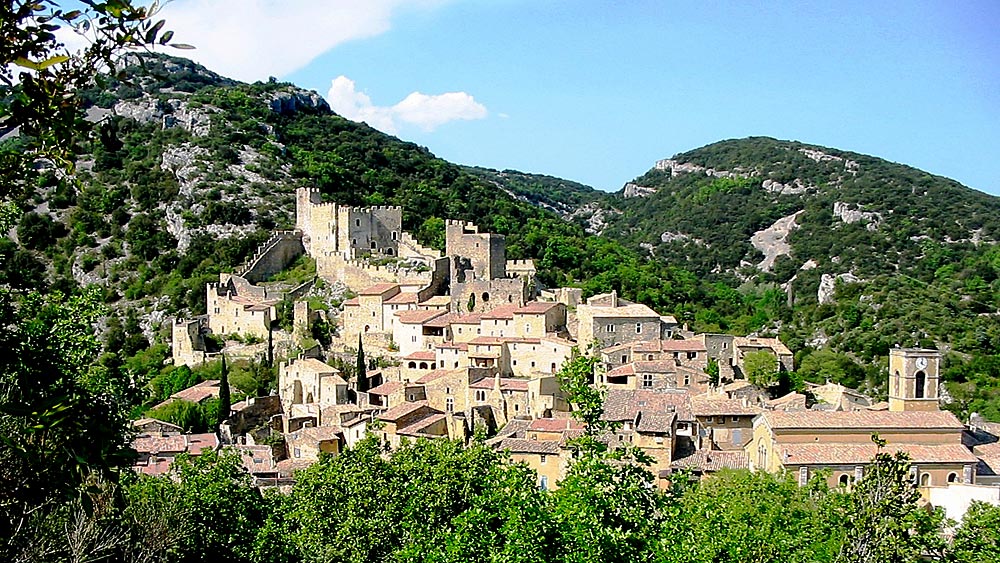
[418, 316]
[859, 454]
[379, 289]
[536, 308]
[398, 412]
[862, 420]
[626, 404]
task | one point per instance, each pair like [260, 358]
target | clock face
[921, 363]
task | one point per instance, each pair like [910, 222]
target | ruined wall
[474, 255]
[273, 256]
[187, 344]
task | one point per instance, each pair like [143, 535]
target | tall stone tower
[913, 379]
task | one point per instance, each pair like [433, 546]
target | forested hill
[827, 209]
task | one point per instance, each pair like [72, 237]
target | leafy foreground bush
[444, 502]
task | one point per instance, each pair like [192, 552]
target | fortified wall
[273, 256]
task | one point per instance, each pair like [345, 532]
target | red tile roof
[418, 316]
[352, 302]
[387, 388]
[625, 404]
[438, 374]
[885, 420]
[554, 425]
[418, 427]
[705, 406]
[421, 355]
[710, 461]
[404, 298]
[501, 312]
[402, 410]
[455, 345]
[379, 289]
[859, 454]
[200, 392]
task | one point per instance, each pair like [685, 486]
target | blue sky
[597, 91]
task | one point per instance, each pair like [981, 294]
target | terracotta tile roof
[156, 445]
[858, 454]
[624, 370]
[316, 434]
[863, 420]
[468, 319]
[791, 401]
[514, 429]
[658, 423]
[421, 355]
[454, 345]
[352, 302]
[501, 312]
[705, 406]
[536, 308]
[403, 298]
[627, 311]
[625, 404]
[155, 468]
[257, 459]
[286, 467]
[397, 412]
[486, 341]
[708, 461]
[200, 392]
[506, 384]
[418, 316]
[387, 388]
[522, 446]
[554, 425]
[438, 374]
[379, 289]
[441, 321]
[419, 427]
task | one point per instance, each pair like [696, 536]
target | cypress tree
[224, 397]
[362, 368]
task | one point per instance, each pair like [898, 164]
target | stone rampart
[273, 256]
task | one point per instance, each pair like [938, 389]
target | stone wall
[489, 294]
[273, 256]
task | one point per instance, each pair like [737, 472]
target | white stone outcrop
[828, 285]
[848, 215]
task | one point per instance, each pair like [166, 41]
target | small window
[647, 380]
[298, 452]
[357, 222]
[394, 235]
[687, 379]
[649, 357]
[709, 420]
[532, 364]
[736, 419]
[610, 328]
[624, 359]
[543, 459]
[638, 328]
[449, 404]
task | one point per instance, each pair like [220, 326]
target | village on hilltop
[468, 340]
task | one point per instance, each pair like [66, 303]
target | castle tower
[913, 379]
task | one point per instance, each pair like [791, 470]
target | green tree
[761, 368]
[977, 539]
[224, 397]
[884, 521]
[712, 369]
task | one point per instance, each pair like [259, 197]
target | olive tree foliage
[884, 521]
[761, 368]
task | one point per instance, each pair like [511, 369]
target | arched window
[423, 365]
[374, 245]
[921, 384]
[394, 235]
[925, 479]
[486, 297]
[297, 393]
[952, 477]
[844, 480]
[412, 365]
[367, 328]
[389, 252]
[309, 398]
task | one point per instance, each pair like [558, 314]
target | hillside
[190, 171]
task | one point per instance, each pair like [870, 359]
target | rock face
[634, 190]
[677, 168]
[794, 187]
[848, 215]
[170, 113]
[290, 101]
[773, 241]
[828, 285]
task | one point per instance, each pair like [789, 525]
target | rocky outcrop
[291, 101]
[796, 186]
[849, 215]
[677, 168]
[169, 113]
[634, 190]
[828, 285]
[773, 241]
[820, 156]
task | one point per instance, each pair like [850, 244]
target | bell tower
[913, 379]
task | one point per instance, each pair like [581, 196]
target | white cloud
[252, 39]
[425, 111]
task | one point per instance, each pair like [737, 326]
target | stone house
[608, 321]
[723, 424]
[412, 420]
[745, 345]
[306, 386]
[235, 306]
[481, 276]
[649, 420]
[306, 443]
[412, 333]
